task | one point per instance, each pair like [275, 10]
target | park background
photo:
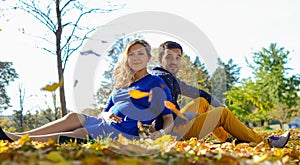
[236, 30]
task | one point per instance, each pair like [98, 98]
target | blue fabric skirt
[98, 128]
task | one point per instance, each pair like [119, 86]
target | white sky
[236, 28]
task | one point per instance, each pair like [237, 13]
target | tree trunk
[59, 61]
[281, 124]
[262, 122]
[62, 97]
[21, 97]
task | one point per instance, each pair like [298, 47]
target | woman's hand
[110, 117]
[155, 135]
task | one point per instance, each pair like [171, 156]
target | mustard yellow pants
[221, 121]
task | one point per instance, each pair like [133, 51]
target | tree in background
[7, 75]
[276, 89]
[218, 83]
[65, 20]
[194, 74]
[202, 75]
[223, 79]
[30, 120]
[270, 89]
[18, 114]
[240, 100]
[232, 73]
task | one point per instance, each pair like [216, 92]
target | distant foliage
[202, 76]
[29, 120]
[7, 75]
[225, 76]
[270, 93]
[195, 74]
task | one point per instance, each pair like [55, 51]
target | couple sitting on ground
[123, 111]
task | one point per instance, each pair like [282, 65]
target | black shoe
[66, 139]
[236, 141]
[3, 136]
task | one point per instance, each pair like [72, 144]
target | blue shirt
[131, 110]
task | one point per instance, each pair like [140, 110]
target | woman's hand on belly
[110, 117]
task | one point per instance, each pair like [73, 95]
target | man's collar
[160, 68]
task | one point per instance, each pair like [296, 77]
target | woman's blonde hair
[123, 75]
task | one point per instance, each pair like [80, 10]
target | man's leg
[201, 105]
[205, 123]
[67, 123]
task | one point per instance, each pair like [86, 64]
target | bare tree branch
[69, 35]
[38, 14]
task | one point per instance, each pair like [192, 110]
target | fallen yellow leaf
[165, 138]
[123, 140]
[24, 139]
[56, 157]
[127, 161]
[260, 158]
[3, 146]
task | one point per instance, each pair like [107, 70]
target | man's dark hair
[168, 45]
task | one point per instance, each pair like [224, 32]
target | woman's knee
[75, 117]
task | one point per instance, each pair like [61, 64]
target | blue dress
[131, 110]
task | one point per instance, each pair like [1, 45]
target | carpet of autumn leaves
[164, 150]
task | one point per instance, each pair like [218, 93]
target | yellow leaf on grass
[137, 94]
[56, 157]
[172, 106]
[127, 161]
[95, 146]
[50, 142]
[3, 146]
[260, 158]
[123, 140]
[24, 139]
[279, 152]
[165, 138]
[134, 149]
[37, 145]
[92, 161]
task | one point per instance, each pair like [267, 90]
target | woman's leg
[201, 105]
[79, 133]
[207, 122]
[67, 123]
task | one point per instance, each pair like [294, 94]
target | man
[170, 62]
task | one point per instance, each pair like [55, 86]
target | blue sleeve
[109, 104]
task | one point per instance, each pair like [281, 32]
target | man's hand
[110, 117]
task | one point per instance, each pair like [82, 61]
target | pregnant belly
[128, 110]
